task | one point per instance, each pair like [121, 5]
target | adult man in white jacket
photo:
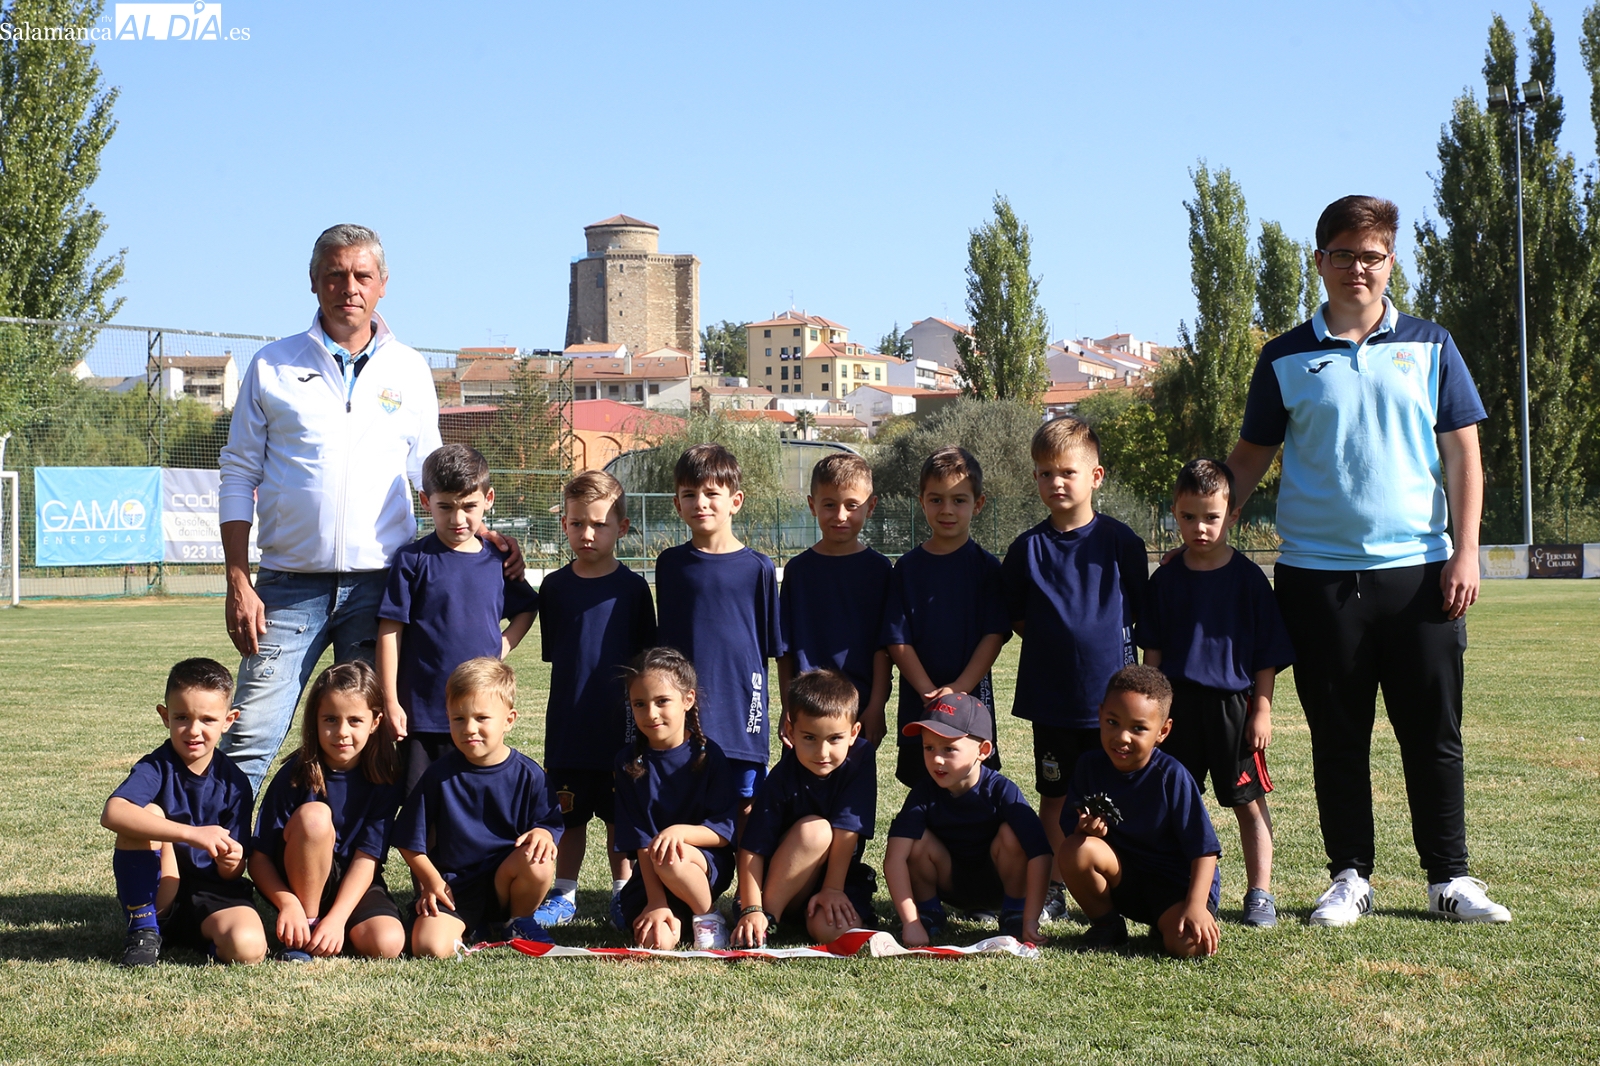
[328, 436]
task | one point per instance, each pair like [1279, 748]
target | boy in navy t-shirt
[182, 821]
[832, 596]
[965, 834]
[1140, 844]
[595, 615]
[944, 622]
[800, 855]
[480, 829]
[446, 597]
[718, 605]
[1211, 624]
[1074, 584]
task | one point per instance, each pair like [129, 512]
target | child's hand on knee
[1198, 930]
[432, 899]
[751, 930]
[835, 908]
[292, 927]
[668, 847]
[657, 927]
[537, 845]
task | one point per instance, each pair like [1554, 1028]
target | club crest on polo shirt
[1404, 361]
[390, 399]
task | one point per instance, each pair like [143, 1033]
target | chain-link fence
[76, 394]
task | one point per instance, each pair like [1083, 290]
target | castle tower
[624, 291]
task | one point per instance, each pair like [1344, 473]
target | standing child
[945, 619]
[1141, 843]
[675, 811]
[1074, 585]
[718, 604]
[446, 596]
[833, 593]
[480, 829]
[1212, 626]
[322, 834]
[800, 855]
[181, 820]
[595, 615]
[965, 834]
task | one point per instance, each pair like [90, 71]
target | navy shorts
[1055, 755]
[1208, 737]
[1142, 896]
[747, 774]
[974, 883]
[860, 885]
[477, 905]
[719, 871]
[583, 795]
[375, 902]
[198, 900]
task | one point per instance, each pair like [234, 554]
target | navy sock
[1011, 905]
[931, 908]
[138, 874]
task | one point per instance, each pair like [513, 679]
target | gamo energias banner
[111, 515]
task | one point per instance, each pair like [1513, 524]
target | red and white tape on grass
[852, 944]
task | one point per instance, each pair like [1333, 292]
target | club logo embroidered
[1050, 770]
[1404, 361]
[565, 798]
[752, 724]
[390, 398]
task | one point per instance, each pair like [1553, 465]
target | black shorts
[909, 769]
[860, 885]
[375, 902]
[583, 794]
[1144, 897]
[719, 871]
[974, 883]
[198, 900]
[477, 905]
[1055, 755]
[1208, 737]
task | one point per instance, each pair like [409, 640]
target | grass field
[78, 685]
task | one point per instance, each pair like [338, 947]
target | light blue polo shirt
[1363, 483]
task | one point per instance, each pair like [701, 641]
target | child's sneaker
[1345, 901]
[1260, 909]
[619, 920]
[294, 955]
[933, 922]
[710, 932]
[1011, 924]
[141, 948]
[1055, 903]
[555, 910]
[1105, 933]
[528, 928]
[1465, 899]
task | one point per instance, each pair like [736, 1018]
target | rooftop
[600, 416]
[792, 317]
[671, 366]
[622, 220]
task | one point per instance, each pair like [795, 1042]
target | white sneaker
[710, 932]
[1347, 899]
[1466, 899]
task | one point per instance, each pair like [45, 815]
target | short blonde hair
[593, 486]
[483, 674]
[1062, 436]
[841, 469]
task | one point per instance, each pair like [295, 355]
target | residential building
[731, 398]
[605, 429]
[935, 339]
[796, 354]
[211, 379]
[657, 380]
[624, 291]
[1071, 362]
[873, 404]
[919, 373]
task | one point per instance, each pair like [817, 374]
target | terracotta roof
[469, 409]
[834, 350]
[943, 322]
[759, 416]
[839, 421]
[600, 416]
[192, 362]
[589, 348]
[1077, 390]
[901, 390]
[487, 370]
[670, 366]
[798, 318]
[662, 352]
[622, 220]
[505, 352]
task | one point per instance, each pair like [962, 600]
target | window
[769, 350]
[785, 388]
[785, 374]
[784, 352]
[813, 334]
[655, 389]
[600, 280]
[824, 386]
[613, 390]
[769, 371]
[797, 372]
[877, 373]
[797, 333]
[767, 333]
[824, 368]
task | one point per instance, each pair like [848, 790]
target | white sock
[617, 886]
[566, 887]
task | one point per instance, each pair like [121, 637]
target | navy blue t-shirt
[721, 612]
[832, 608]
[1078, 594]
[591, 627]
[1164, 825]
[967, 824]
[1214, 627]
[452, 604]
[220, 796]
[942, 605]
[847, 798]
[467, 818]
[670, 793]
[362, 811]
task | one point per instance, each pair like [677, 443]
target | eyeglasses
[1344, 260]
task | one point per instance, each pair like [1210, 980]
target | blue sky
[838, 152]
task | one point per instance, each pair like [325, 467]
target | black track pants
[1353, 632]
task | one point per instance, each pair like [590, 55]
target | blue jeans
[305, 614]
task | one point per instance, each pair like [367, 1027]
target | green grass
[80, 682]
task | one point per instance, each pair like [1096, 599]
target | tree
[1133, 442]
[727, 348]
[1399, 290]
[1281, 283]
[1468, 281]
[1200, 394]
[1003, 358]
[895, 344]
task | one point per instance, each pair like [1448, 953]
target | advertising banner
[97, 515]
[1503, 560]
[1591, 560]
[1555, 560]
[189, 526]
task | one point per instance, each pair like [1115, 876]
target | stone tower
[624, 291]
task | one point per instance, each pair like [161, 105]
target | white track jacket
[329, 477]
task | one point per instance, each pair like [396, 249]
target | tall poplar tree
[1280, 283]
[1003, 358]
